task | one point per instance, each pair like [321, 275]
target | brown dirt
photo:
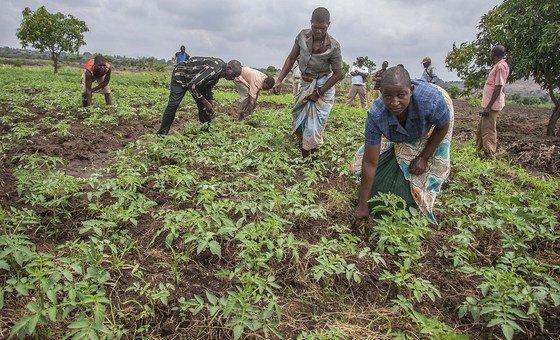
[521, 134]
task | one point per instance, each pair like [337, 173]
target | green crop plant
[148, 298]
[512, 290]
[261, 242]
[428, 327]
[197, 230]
[60, 289]
[243, 309]
[418, 287]
[399, 231]
[39, 184]
[176, 181]
[331, 254]
[237, 212]
[320, 334]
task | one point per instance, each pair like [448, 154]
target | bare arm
[335, 77]
[495, 95]
[369, 168]
[104, 82]
[290, 60]
[251, 106]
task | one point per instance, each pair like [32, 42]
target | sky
[260, 33]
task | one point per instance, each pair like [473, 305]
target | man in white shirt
[359, 73]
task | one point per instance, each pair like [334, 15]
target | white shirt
[358, 80]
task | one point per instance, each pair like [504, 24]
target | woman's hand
[418, 165]
[361, 214]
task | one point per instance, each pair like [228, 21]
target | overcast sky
[261, 33]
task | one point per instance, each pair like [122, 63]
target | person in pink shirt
[249, 83]
[493, 101]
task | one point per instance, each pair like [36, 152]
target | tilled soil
[521, 137]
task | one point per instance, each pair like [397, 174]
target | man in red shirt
[98, 70]
[493, 101]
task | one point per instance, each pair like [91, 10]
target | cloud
[261, 33]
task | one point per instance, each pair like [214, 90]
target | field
[108, 231]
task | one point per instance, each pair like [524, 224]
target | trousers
[486, 135]
[361, 91]
[176, 94]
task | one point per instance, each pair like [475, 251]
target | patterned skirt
[310, 118]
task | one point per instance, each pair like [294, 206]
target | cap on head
[426, 60]
[360, 59]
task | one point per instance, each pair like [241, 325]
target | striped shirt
[198, 72]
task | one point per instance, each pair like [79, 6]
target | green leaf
[4, 265]
[555, 299]
[32, 323]
[211, 297]
[201, 247]
[68, 275]
[51, 295]
[471, 300]
[213, 310]
[462, 311]
[496, 321]
[20, 325]
[92, 335]
[508, 331]
[52, 312]
[238, 331]
[490, 309]
[82, 322]
[215, 248]
[33, 307]
[21, 288]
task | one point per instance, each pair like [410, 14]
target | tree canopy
[530, 30]
[52, 32]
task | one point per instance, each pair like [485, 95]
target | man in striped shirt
[198, 75]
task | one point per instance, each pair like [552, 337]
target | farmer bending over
[198, 75]
[248, 85]
[407, 139]
[98, 70]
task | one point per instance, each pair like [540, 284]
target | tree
[530, 30]
[55, 33]
[271, 71]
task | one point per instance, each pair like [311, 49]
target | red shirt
[90, 66]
